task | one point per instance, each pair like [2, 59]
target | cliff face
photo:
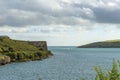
[42, 45]
[4, 37]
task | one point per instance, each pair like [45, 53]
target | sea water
[68, 63]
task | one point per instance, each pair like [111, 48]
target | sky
[60, 22]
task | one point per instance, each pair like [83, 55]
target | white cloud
[13, 29]
[59, 20]
[22, 13]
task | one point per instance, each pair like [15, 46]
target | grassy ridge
[117, 40]
[20, 50]
[104, 44]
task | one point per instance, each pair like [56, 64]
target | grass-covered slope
[20, 50]
[104, 44]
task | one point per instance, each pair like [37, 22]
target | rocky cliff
[42, 45]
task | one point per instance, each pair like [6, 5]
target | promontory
[103, 44]
[17, 50]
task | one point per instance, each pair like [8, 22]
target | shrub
[12, 55]
[112, 74]
[20, 56]
[0, 50]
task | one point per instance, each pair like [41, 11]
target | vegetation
[117, 40]
[104, 44]
[112, 74]
[20, 50]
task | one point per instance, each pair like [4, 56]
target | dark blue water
[68, 63]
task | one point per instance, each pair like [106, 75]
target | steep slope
[20, 51]
[104, 44]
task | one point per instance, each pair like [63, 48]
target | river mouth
[68, 63]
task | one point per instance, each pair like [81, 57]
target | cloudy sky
[61, 22]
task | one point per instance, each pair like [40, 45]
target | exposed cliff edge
[17, 50]
[103, 44]
[41, 45]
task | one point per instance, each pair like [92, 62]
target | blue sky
[61, 22]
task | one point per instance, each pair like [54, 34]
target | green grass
[117, 40]
[16, 45]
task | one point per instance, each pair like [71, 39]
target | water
[68, 63]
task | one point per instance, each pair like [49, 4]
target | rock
[4, 60]
[7, 59]
[41, 45]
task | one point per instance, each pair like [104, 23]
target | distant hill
[16, 50]
[103, 44]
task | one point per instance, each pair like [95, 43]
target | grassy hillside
[118, 40]
[104, 44]
[20, 50]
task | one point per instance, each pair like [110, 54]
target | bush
[112, 74]
[12, 55]
[1, 50]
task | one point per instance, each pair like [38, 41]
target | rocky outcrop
[4, 37]
[4, 60]
[42, 45]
